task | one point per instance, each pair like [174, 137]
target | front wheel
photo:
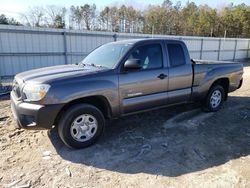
[214, 99]
[81, 125]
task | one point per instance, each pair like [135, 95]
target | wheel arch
[224, 82]
[98, 101]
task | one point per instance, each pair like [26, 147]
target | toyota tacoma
[118, 79]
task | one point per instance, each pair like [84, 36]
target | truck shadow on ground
[146, 143]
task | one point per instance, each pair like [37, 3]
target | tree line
[167, 18]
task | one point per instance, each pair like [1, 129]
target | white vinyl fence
[24, 48]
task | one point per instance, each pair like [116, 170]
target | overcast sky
[15, 7]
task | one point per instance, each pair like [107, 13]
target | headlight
[35, 92]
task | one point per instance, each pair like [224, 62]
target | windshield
[107, 55]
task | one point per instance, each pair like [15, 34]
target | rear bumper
[34, 116]
[235, 87]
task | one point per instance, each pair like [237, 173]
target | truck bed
[205, 71]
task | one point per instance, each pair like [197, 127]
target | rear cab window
[176, 55]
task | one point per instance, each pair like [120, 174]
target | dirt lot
[177, 147]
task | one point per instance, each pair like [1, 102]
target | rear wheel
[81, 125]
[214, 99]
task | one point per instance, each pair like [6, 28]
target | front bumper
[34, 116]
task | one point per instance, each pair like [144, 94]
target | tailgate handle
[162, 76]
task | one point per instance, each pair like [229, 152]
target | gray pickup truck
[118, 79]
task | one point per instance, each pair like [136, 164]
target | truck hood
[49, 74]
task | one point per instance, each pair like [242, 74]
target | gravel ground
[176, 147]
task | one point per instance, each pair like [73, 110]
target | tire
[81, 126]
[214, 99]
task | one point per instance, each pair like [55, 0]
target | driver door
[145, 88]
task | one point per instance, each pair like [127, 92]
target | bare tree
[105, 17]
[76, 16]
[35, 16]
[84, 15]
[110, 18]
[55, 16]
[88, 15]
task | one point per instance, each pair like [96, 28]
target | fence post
[218, 57]
[201, 48]
[65, 47]
[248, 49]
[115, 37]
[235, 48]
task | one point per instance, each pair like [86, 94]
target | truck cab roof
[134, 41]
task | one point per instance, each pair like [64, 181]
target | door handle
[162, 76]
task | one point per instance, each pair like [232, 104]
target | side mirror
[132, 64]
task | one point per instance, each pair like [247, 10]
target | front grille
[16, 89]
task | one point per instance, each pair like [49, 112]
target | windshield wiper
[86, 64]
[91, 64]
[101, 66]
